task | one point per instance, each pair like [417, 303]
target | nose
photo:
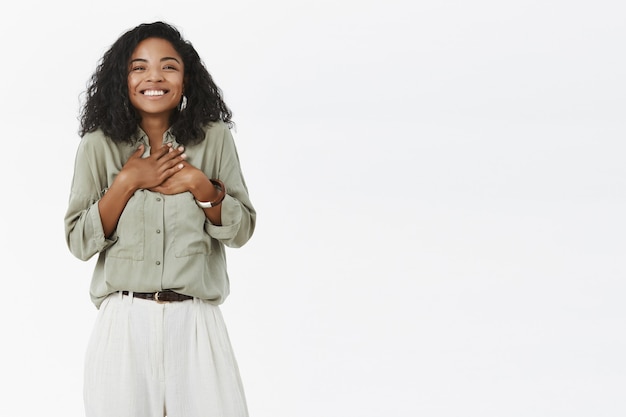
[154, 75]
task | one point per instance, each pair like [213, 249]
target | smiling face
[155, 78]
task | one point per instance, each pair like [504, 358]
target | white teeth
[154, 92]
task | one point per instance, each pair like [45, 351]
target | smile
[154, 92]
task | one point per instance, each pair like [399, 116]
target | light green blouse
[161, 241]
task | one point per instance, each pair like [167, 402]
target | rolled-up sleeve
[83, 227]
[238, 213]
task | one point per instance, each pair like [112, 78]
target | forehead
[155, 48]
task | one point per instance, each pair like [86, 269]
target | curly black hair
[107, 104]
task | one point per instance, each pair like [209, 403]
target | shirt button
[158, 230]
[158, 262]
[158, 199]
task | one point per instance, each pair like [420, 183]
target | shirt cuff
[231, 220]
[100, 241]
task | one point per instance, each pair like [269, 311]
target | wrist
[124, 185]
[214, 198]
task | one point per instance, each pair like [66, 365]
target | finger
[169, 152]
[175, 156]
[174, 169]
[169, 167]
[178, 162]
[162, 151]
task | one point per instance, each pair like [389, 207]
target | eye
[137, 68]
[170, 67]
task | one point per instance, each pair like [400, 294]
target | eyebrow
[166, 58]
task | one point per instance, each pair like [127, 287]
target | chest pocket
[130, 231]
[188, 227]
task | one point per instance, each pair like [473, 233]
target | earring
[183, 103]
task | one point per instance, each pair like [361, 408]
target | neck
[155, 127]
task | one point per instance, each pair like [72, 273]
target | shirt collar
[168, 137]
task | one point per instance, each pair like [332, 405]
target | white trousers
[147, 359]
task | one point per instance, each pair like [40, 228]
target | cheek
[180, 83]
[132, 93]
[132, 84]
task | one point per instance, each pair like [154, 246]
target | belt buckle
[156, 298]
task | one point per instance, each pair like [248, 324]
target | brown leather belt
[165, 296]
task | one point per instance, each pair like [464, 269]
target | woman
[158, 193]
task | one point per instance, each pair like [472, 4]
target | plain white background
[441, 197]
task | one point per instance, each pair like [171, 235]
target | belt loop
[127, 298]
